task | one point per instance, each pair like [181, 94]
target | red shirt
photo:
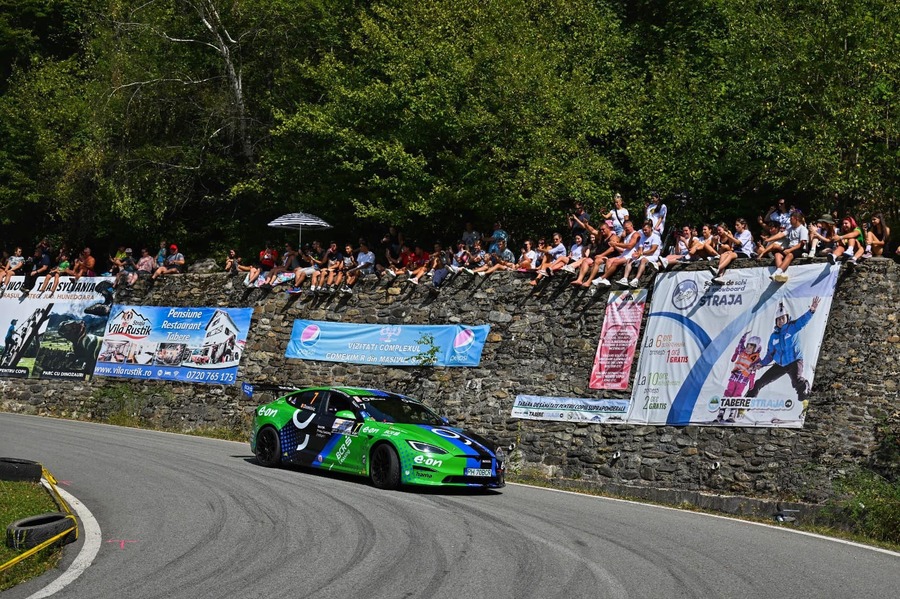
[268, 258]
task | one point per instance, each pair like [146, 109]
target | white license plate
[478, 472]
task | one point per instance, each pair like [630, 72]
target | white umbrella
[299, 221]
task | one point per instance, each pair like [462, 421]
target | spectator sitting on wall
[14, 267]
[684, 239]
[418, 265]
[268, 257]
[601, 252]
[849, 242]
[161, 253]
[476, 258]
[328, 274]
[146, 264]
[84, 264]
[459, 259]
[63, 268]
[821, 237]
[402, 263]
[126, 268]
[796, 240]
[306, 269]
[439, 270]
[625, 247]
[288, 264]
[37, 266]
[528, 257]
[587, 250]
[234, 263]
[771, 242]
[365, 265]
[645, 252]
[174, 264]
[550, 256]
[704, 246]
[502, 259]
[741, 246]
[877, 237]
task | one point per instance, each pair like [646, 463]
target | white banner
[569, 409]
[739, 354]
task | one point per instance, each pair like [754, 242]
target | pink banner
[615, 351]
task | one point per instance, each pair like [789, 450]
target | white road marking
[92, 541]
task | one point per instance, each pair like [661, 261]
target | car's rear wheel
[268, 447]
[384, 469]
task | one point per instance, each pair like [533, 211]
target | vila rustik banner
[387, 345]
[739, 354]
[194, 345]
[55, 334]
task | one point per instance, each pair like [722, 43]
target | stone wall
[542, 342]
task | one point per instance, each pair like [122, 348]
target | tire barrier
[16, 469]
[35, 533]
[28, 533]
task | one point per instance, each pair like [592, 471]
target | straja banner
[739, 354]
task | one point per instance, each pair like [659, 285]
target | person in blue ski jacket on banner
[784, 353]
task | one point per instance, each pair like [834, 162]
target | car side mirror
[345, 414]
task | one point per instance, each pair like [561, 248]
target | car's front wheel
[268, 447]
[384, 469]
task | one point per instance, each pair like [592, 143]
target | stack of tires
[31, 532]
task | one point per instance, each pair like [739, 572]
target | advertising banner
[618, 339]
[387, 345]
[54, 336]
[194, 345]
[569, 409]
[739, 354]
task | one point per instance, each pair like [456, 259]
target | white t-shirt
[745, 243]
[797, 235]
[647, 243]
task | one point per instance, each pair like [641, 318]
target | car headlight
[425, 447]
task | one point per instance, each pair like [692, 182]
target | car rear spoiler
[277, 390]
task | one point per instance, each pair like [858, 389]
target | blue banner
[388, 345]
[194, 345]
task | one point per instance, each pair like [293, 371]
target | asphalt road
[198, 518]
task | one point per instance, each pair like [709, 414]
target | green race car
[390, 438]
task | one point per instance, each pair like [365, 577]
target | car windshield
[401, 410]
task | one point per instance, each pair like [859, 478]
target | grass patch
[21, 500]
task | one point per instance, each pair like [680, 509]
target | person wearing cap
[173, 264]
[127, 268]
[821, 237]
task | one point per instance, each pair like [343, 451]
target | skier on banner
[785, 354]
[746, 353]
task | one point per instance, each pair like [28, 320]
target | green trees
[202, 119]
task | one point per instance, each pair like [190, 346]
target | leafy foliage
[201, 120]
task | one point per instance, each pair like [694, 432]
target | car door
[344, 450]
[306, 436]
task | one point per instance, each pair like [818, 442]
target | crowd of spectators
[619, 248]
[46, 266]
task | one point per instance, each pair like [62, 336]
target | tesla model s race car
[390, 438]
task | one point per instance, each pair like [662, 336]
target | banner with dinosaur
[54, 334]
